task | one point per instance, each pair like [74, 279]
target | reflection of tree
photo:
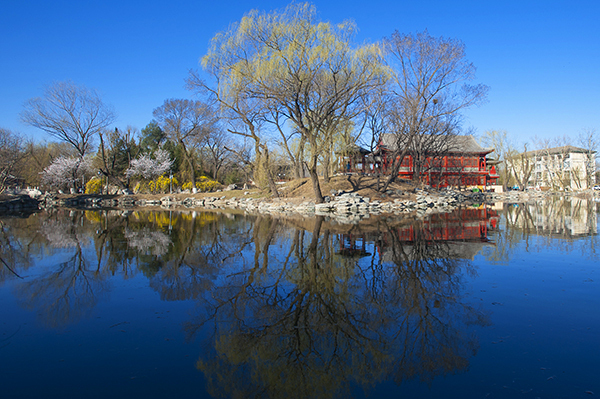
[64, 232]
[12, 255]
[66, 292]
[427, 280]
[179, 253]
[199, 246]
[314, 322]
[152, 242]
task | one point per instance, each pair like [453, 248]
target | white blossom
[150, 168]
[65, 171]
[152, 242]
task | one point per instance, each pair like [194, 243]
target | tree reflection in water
[69, 289]
[304, 320]
[292, 307]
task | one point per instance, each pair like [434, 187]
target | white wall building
[559, 168]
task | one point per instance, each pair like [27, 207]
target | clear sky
[541, 59]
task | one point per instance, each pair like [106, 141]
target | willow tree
[245, 118]
[11, 154]
[306, 69]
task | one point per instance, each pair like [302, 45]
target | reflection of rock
[148, 241]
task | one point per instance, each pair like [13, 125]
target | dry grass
[366, 186]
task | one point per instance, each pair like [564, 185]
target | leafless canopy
[186, 123]
[11, 152]
[428, 90]
[70, 113]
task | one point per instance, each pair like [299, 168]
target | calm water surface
[490, 302]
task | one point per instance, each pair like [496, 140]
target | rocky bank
[344, 207]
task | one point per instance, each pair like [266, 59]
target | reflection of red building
[464, 163]
[467, 225]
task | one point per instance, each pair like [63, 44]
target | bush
[204, 184]
[93, 186]
[160, 185]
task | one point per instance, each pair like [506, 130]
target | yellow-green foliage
[204, 184]
[160, 185]
[163, 184]
[93, 216]
[93, 186]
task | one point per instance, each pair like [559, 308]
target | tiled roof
[457, 144]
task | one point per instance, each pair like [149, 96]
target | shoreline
[345, 207]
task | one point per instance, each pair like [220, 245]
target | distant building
[565, 167]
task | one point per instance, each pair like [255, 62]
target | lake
[497, 301]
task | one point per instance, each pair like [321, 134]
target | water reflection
[297, 307]
[576, 217]
[549, 223]
[317, 322]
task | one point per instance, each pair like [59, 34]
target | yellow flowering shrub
[93, 186]
[160, 185]
[204, 184]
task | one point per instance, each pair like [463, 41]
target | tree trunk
[269, 175]
[394, 171]
[190, 162]
[326, 164]
[314, 177]
[272, 185]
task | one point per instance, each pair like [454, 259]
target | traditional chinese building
[463, 163]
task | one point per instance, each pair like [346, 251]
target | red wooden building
[463, 164]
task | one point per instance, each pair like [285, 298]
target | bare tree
[245, 118]
[429, 89]
[503, 149]
[70, 113]
[522, 165]
[588, 140]
[552, 158]
[186, 123]
[11, 152]
[216, 150]
[117, 150]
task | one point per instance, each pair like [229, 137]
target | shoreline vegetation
[349, 199]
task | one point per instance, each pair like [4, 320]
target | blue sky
[541, 59]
